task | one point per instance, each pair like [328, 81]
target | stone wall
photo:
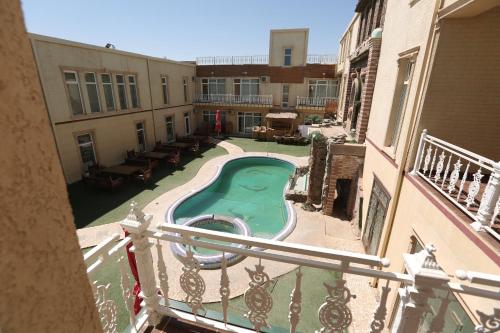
[317, 162]
[43, 277]
[345, 161]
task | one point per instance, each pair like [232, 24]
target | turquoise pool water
[249, 188]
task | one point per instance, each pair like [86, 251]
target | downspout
[151, 101]
[414, 122]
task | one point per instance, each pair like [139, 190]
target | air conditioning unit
[264, 78]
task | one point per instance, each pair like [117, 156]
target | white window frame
[91, 143]
[110, 84]
[246, 81]
[283, 102]
[164, 90]
[185, 88]
[130, 85]
[124, 91]
[208, 82]
[77, 82]
[287, 55]
[321, 82]
[92, 83]
[171, 121]
[187, 124]
[142, 132]
[243, 117]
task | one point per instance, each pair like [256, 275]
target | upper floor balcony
[469, 181]
[234, 100]
[323, 104]
[323, 59]
[245, 292]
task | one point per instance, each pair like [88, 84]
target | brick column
[368, 88]
[347, 94]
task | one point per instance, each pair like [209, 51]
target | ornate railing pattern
[470, 181]
[324, 59]
[228, 99]
[316, 103]
[334, 313]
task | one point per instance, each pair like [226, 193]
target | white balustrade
[318, 103]
[228, 99]
[461, 175]
[322, 59]
[334, 314]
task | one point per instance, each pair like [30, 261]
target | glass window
[246, 87]
[186, 123]
[377, 209]
[141, 136]
[247, 120]
[132, 84]
[122, 94]
[73, 87]
[107, 87]
[209, 117]
[401, 94]
[164, 89]
[323, 88]
[213, 86]
[284, 96]
[92, 92]
[169, 122]
[288, 57]
[87, 152]
[185, 88]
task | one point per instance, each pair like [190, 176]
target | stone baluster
[426, 273]
[489, 199]
[420, 153]
[136, 223]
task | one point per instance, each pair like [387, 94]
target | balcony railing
[315, 103]
[324, 59]
[228, 99]
[159, 272]
[470, 181]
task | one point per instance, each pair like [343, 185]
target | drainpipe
[151, 100]
[431, 45]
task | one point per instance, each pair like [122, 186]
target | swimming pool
[248, 188]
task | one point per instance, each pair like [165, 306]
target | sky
[186, 29]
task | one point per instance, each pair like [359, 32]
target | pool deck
[313, 228]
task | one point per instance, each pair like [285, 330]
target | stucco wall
[462, 104]
[43, 279]
[296, 39]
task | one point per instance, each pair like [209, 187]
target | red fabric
[218, 122]
[133, 267]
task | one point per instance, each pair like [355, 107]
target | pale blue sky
[186, 29]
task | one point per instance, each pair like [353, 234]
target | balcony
[469, 181]
[265, 101]
[238, 296]
[323, 59]
[323, 104]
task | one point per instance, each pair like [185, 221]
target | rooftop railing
[228, 99]
[324, 59]
[179, 288]
[468, 180]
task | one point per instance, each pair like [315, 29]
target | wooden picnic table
[181, 145]
[155, 155]
[125, 170]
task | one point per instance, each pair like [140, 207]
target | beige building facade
[103, 102]
[247, 88]
[436, 71]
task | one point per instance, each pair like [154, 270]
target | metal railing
[470, 181]
[323, 59]
[229, 99]
[157, 282]
[317, 103]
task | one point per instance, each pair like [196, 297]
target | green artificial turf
[92, 207]
[272, 147]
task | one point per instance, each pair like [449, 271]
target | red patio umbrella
[218, 122]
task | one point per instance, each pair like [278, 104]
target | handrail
[229, 99]
[263, 59]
